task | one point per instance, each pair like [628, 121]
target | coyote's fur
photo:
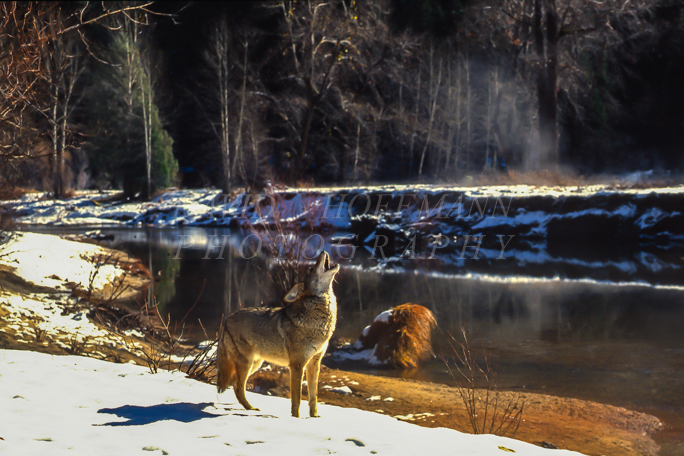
[295, 335]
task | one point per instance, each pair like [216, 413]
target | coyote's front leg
[312, 371]
[296, 377]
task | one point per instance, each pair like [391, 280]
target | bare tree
[452, 119]
[132, 73]
[65, 61]
[43, 56]
[434, 95]
[317, 46]
[146, 104]
[221, 43]
[559, 31]
[23, 91]
[224, 68]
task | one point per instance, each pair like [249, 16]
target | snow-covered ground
[68, 405]
[52, 314]
[208, 207]
[50, 261]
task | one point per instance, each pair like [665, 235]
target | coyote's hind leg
[243, 371]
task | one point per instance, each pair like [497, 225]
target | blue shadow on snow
[139, 415]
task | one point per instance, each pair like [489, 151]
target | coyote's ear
[295, 293]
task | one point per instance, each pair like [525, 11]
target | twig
[487, 411]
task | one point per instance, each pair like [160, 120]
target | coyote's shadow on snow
[185, 412]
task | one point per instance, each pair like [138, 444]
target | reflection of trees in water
[214, 286]
[164, 270]
[628, 313]
[551, 312]
[515, 312]
[455, 302]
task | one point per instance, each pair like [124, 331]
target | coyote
[295, 335]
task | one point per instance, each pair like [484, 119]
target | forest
[141, 96]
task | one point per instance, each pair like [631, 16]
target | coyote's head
[318, 279]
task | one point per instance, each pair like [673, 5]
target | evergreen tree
[124, 122]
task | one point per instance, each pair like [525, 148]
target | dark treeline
[139, 96]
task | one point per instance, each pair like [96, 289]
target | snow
[47, 261]
[652, 216]
[413, 417]
[356, 355]
[341, 390]
[348, 355]
[42, 316]
[52, 317]
[208, 207]
[68, 405]
[47, 316]
[384, 317]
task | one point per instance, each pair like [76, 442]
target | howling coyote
[295, 335]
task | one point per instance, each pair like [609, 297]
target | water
[610, 343]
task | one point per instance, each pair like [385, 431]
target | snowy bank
[43, 279]
[545, 233]
[538, 210]
[51, 261]
[73, 405]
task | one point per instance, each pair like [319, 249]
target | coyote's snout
[295, 335]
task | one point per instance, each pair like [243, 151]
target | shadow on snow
[141, 415]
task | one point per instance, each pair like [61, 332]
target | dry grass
[305, 182]
[203, 365]
[550, 178]
[112, 291]
[77, 346]
[567, 177]
[11, 193]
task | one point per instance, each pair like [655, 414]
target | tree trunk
[62, 150]
[414, 127]
[221, 47]
[55, 144]
[547, 80]
[356, 152]
[551, 100]
[310, 106]
[146, 96]
[432, 113]
[239, 152]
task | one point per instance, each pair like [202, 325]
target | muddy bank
[586, 427]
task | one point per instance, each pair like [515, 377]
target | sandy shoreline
[45, 310]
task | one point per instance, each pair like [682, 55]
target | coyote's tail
[225, 366]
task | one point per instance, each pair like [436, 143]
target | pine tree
[125, 124]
